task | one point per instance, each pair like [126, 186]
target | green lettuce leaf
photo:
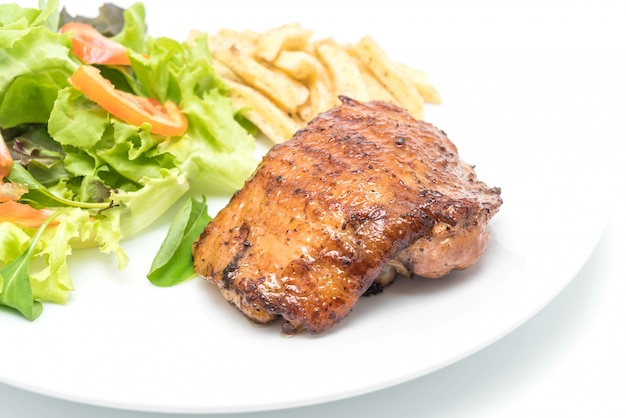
[217, 152]
[142, 207]
[35, 65]
[133, 33]
[13, 16]
[52, 282]
[13, 242]
[75, 120]
[15, 288]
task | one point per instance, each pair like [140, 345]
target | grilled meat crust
[362, 185]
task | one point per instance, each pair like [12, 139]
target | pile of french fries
[282, 78]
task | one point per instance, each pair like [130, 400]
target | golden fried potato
[286, 92]
[244, 41]
[422, 83]
[390, 75]
[344, 72]
[321, 93]
[297, 64]
[225, 72]
[321, 98]
[375, 88]
[276, 124]
[283, 78]
[290, 36]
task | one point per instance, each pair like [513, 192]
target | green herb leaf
[173, 262]
[15, 288]
[39, 196]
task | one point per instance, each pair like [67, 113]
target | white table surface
[567, 361]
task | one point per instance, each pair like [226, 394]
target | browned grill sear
[363, 191]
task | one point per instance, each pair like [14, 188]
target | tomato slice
[6, 161]
[91, 47]
[166, 119]
[10, 209]
[23, 214]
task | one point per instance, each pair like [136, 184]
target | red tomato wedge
[166, 119]
[10, 209]
[6, 161]
[23, 214]
[91, 47]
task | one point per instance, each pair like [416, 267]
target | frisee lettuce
[108, 179]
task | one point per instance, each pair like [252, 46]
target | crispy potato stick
[321, 70]
[321, 98]
[286, 92]
[344, 72]
[374, 87]
[224, 39]
[225, 72]
[422, 83]
[321, 94]
[277, 125]
[286, 37]
[297, 64]
[282, 78]
[390, 75]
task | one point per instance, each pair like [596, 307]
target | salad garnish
[107, 145]
[173, 263]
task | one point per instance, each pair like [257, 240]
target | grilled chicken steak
[362, 192]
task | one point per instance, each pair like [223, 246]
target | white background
[568, 360]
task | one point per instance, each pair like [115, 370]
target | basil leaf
[173, 262]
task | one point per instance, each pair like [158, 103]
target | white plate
[513, 105]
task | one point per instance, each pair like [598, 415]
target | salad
[103, 129]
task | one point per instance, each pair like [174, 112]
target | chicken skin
[363, 189]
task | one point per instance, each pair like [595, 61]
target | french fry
[276, 124]
[390, 76]
[321, 72]
[296, 64]
[344, 72]
[290, 36]
[321, 98]
[286, 92]
[321, 93]
[422, 83]
[225, 72]
[375, 89]
[224, 39]
[281, 78]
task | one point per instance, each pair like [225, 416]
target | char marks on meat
[362, 192]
